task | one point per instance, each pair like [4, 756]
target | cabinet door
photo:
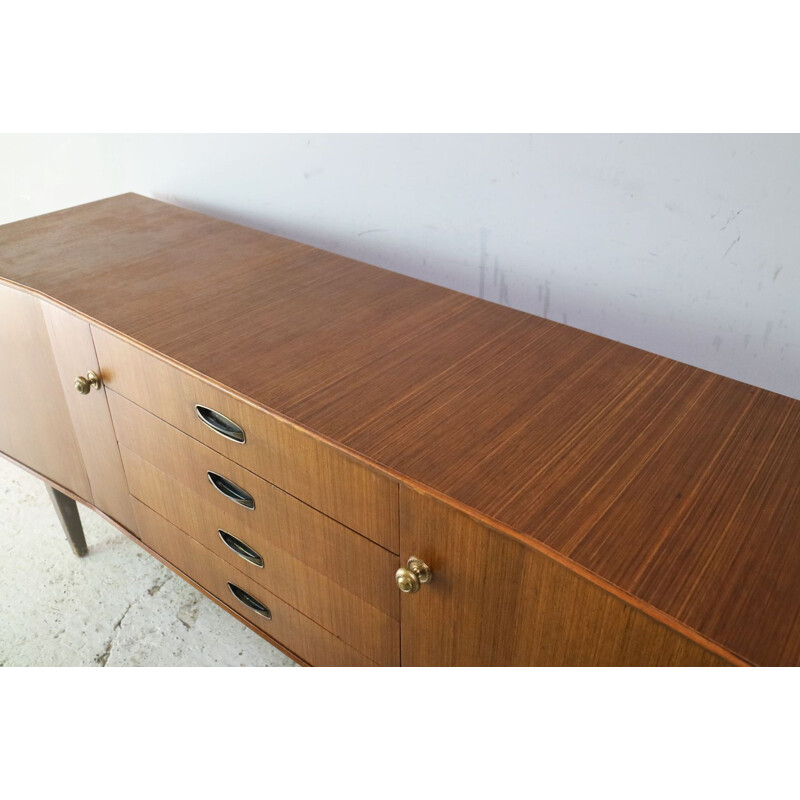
[35, 425]
[45, 424]
[73, 348]
[493, 601]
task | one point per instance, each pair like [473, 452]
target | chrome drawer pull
[220, 424]
[241, 549]
[247, 599]
[231, 490]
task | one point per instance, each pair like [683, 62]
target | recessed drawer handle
[231, 490]
[247, 599]
[241, 549]
[220, 424]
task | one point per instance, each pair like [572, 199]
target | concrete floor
[116, 607]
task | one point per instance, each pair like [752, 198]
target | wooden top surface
[678, 486]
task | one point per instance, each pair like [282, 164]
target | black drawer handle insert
[231, 490]
[220, 424]
[241, 549]
[247, 599]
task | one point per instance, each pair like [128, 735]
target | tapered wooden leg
[67, 510]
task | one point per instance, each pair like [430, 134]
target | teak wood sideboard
[367, 469]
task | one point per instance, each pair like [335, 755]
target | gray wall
[685, 245]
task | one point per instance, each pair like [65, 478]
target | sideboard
[367, 469]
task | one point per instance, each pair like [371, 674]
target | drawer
[339, 579]
[286, 625]
[283, 453]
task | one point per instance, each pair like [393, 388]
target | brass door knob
[84, 385]
[410, 577]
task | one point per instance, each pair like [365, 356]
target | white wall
[688, 246]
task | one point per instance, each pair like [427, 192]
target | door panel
[35, 425]
[74, 352]
[493, 601]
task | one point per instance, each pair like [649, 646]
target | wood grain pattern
[246, 622]
[668, 484]
[495, 602]
[73, 350]
[35, 426]
[296, 632]
[189, 462]
[284, 523]
[346, 489]
[339, 579]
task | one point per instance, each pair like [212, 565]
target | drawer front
[286, 625]
[339, 579]
[286, 455]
